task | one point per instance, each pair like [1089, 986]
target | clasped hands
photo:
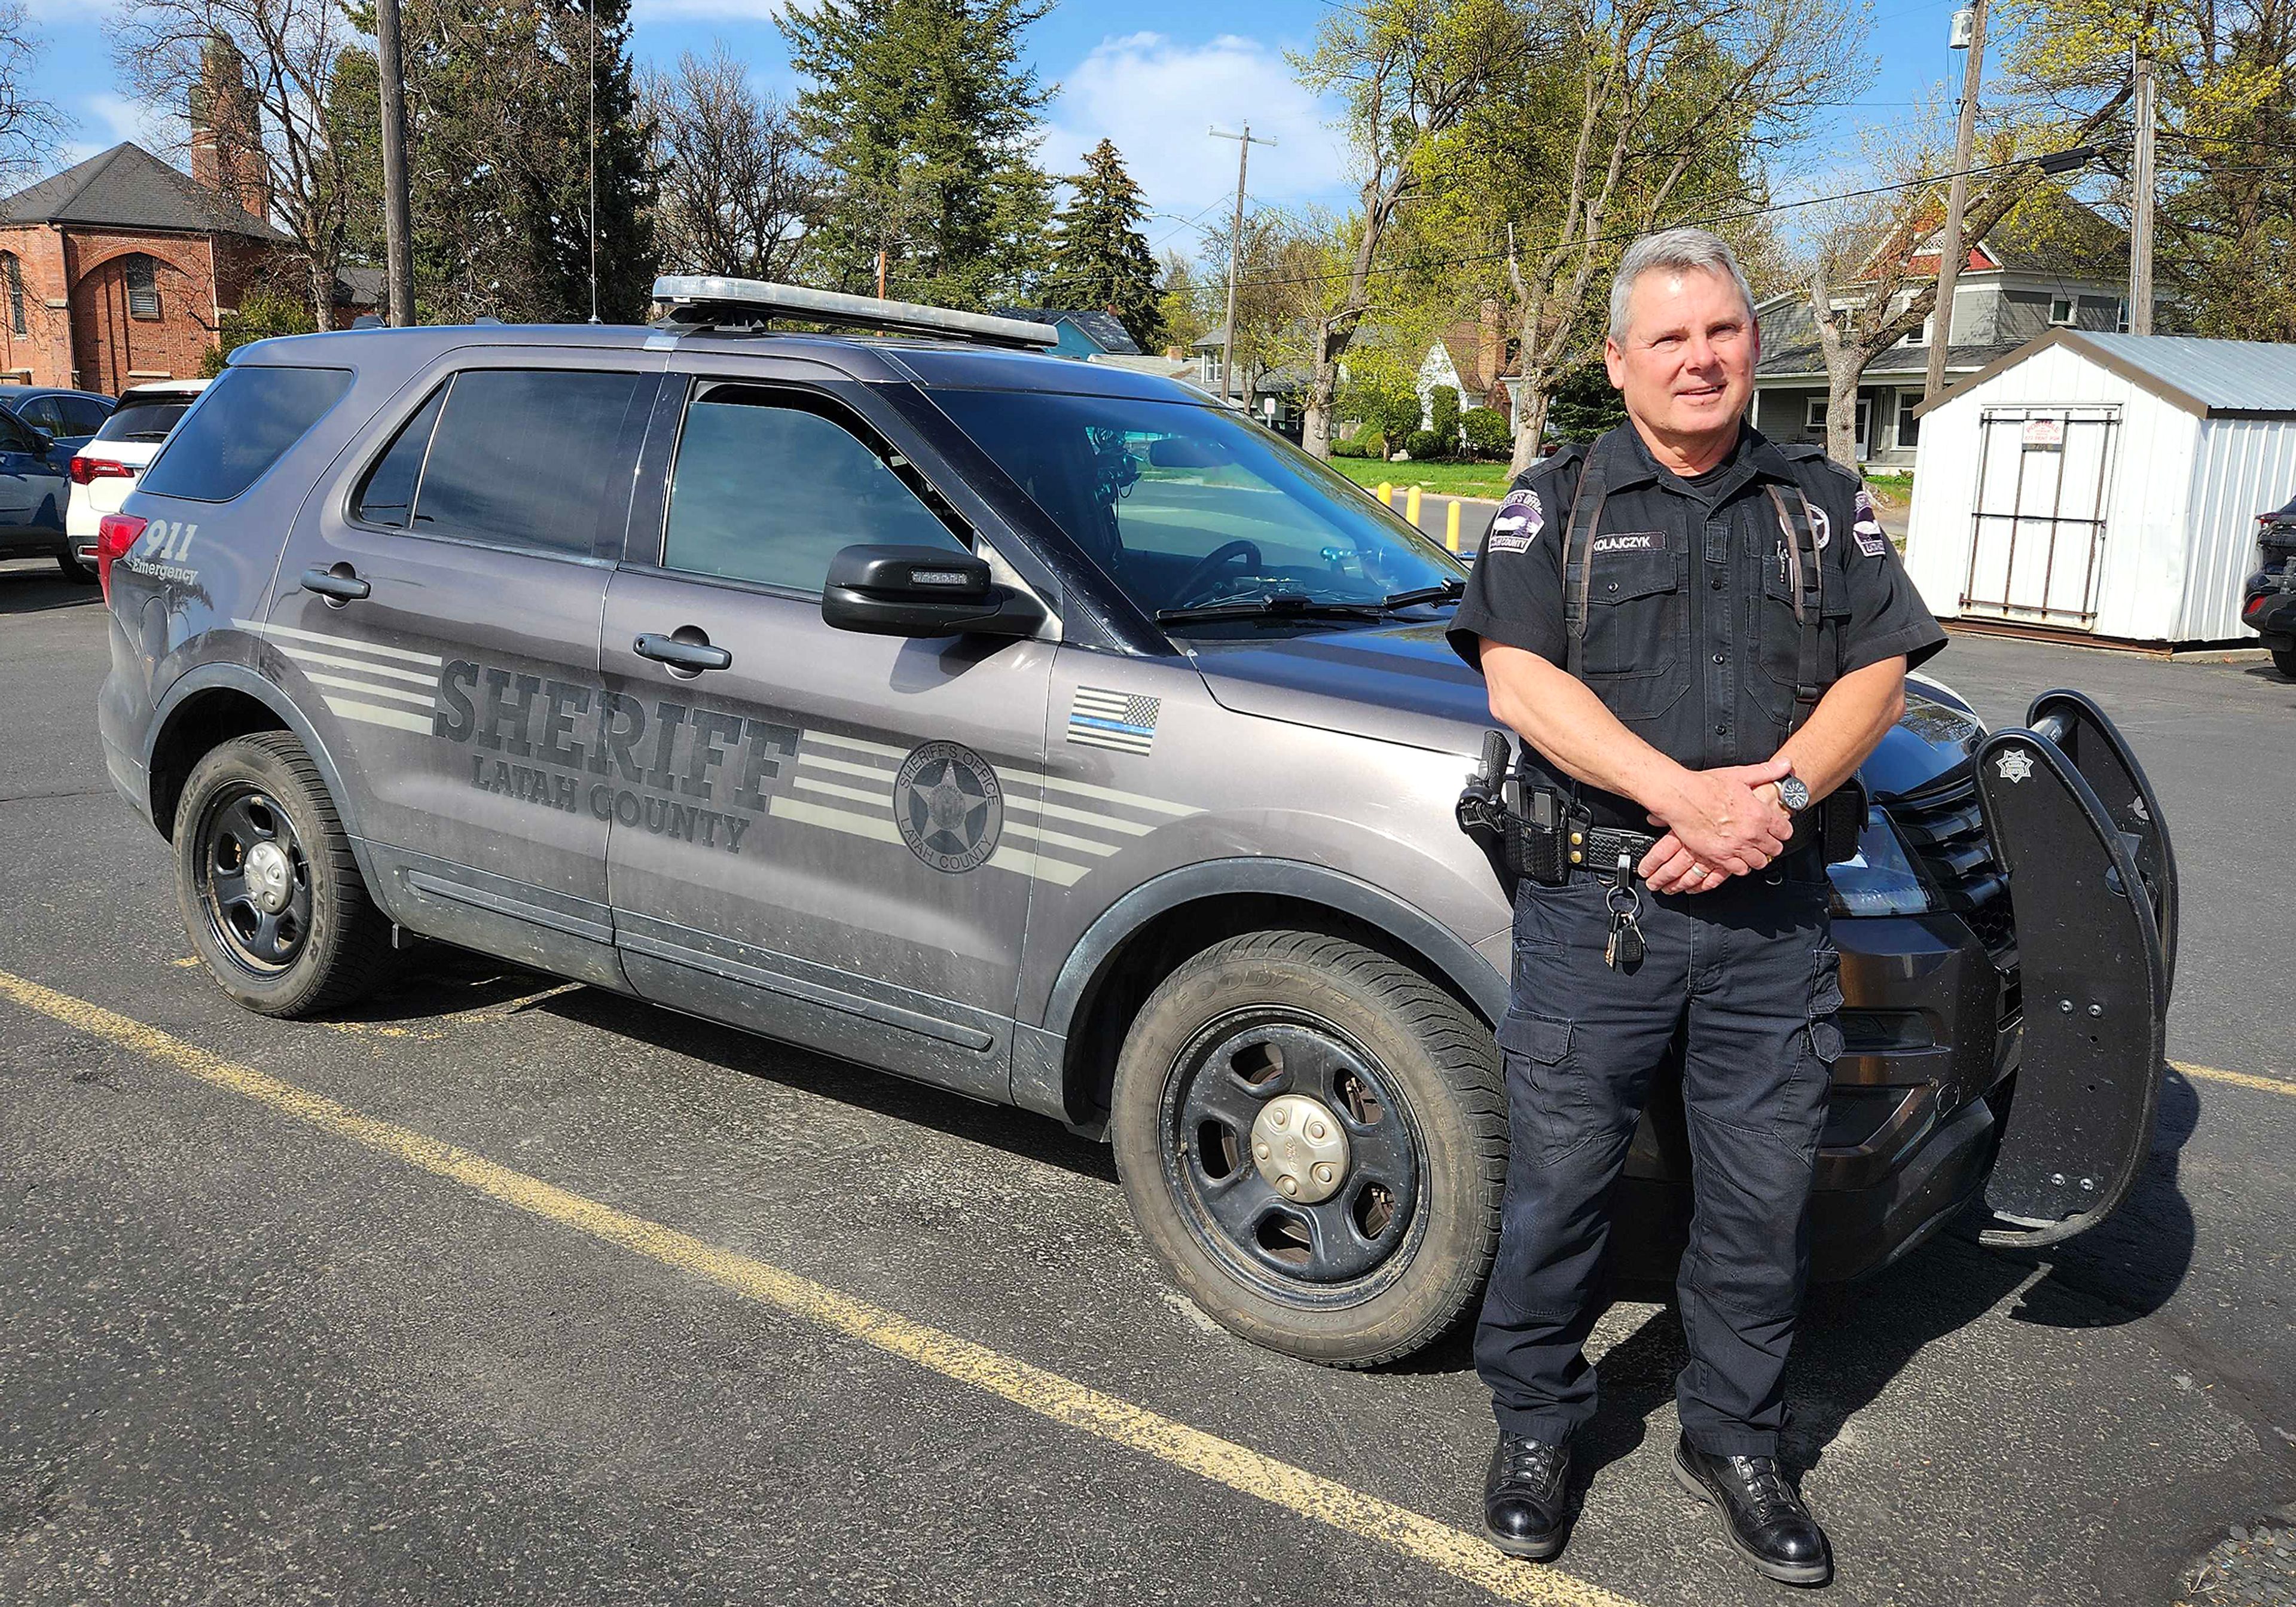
[1718, 824]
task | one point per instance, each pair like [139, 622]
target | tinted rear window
[143, 421]
[243, 423]
[528, 458]
[83, 415]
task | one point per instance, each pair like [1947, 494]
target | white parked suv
[105, 469]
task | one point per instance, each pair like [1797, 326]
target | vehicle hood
[1402, 683]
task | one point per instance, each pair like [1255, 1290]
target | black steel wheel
[268, 884]
[254, 881]
[1313, 1139]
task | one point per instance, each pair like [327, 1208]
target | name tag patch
[1633, 541]
[1871, 539]
[1517, 523]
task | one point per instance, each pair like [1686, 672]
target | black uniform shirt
[1691, 635]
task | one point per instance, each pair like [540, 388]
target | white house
[2104, 484]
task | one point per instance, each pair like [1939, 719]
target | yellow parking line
[1454, 1551]
[2238, 1079]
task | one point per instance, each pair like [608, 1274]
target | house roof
[1802, 359]
[1100, 327]
[129, 187]
[2212, 379]
[360, 286]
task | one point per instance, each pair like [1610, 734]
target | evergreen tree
[1100, 257]
[498, 159]
[1585, 405]
[923, 118]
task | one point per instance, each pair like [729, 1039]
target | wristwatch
[1794, 793]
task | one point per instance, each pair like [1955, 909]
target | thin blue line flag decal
[1124, 721]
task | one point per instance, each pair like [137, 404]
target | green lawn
[1440, 479]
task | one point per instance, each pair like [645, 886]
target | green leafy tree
[259, 315]
[923, 118]
[1100, 259]
[1181, 304]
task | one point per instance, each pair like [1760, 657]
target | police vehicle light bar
[707, 299]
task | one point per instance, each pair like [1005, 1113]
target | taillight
[113, 538]
[86, 469]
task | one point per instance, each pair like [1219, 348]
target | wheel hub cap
[270, 879]
[1300, 1147]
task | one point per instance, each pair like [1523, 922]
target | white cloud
[109, 119]
[1157, 99]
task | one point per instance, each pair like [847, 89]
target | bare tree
[1671, 102]
[1407, 70]
[210, 59]
[29, 126]
[734, 183]
[1873, 278]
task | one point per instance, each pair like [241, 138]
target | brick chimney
[228, 131]
[1490, 343]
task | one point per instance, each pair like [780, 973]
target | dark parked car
[1042, 731]
[2268, 604]
[39, 432]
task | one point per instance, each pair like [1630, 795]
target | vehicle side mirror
[921, 591]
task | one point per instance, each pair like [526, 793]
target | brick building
[118, 270]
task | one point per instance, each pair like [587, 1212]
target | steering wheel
[1218, 559]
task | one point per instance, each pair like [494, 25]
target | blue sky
[1152, 77]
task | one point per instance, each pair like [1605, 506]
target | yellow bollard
[1387, 493]
[1451, 527]
[1411, 505]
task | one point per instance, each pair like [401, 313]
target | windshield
[1190, 507]
[143, 421]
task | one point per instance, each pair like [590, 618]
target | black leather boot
[1526, 1498]
[1764, 1518]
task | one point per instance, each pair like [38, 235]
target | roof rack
[708, 302]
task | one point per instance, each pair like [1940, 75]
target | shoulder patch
[1517, 523]
[1873, 540]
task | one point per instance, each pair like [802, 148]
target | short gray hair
[1679, 250]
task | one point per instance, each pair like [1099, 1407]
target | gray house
[2054, 264]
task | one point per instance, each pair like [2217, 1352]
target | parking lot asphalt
[508, 1291]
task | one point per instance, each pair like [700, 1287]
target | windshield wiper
[1447, 591]
[1282, 605]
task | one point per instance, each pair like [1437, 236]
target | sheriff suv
[1041, 729]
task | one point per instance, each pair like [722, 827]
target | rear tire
[269, 889]
[1399, 1244]
[2283, 659]
[73, 569]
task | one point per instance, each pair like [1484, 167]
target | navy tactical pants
[1749, 977]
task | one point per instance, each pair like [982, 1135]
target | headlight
[1879, 878]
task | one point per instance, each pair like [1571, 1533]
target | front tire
[2283, 659]
[1368, 1226]
[269, 888]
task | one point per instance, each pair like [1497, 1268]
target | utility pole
[590, 9]
[1244, 142]
[398, 248]
[2140, 210]
[1949, 251]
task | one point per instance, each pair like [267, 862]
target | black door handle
[344, 588]
[679, 654]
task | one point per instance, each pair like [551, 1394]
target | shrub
[1488, 435]
[259, 315]
[1443, 415]
[1349, 448]
[1424, 446]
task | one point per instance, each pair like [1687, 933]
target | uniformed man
[1697, 633]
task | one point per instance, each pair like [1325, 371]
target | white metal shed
[2104, 484]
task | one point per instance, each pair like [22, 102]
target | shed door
[2037, 540]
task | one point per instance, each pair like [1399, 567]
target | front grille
[1945, 829]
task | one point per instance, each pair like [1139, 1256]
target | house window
[11, 276]
[2060, 310]
[143, 287]
[1909, 427]
[2120, 315]
[1813, 412]
[1921, 337]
